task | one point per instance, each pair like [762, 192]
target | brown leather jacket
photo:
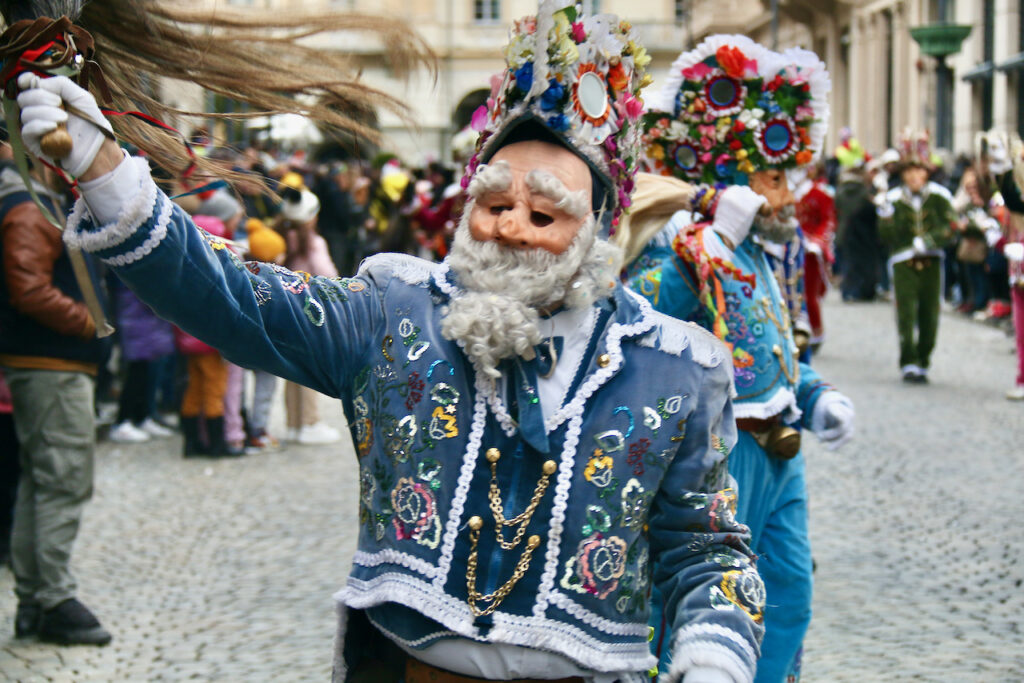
[43, 322]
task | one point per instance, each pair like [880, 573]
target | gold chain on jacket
[522, 520]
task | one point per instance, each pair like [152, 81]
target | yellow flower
[656, 152]
[745, 166]
[741, 154]
[566, 51]
[640, 56]
[647, 80]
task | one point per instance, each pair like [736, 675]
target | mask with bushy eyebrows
[531, 195]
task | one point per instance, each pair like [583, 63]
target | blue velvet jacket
[640, 442]
[755, 318]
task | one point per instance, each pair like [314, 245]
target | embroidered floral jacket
[640, 445]
[743, 294]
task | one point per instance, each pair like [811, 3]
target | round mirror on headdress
[685, 156]
[593, 96]
[723, 93]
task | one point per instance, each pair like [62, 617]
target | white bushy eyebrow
[494, 177]
[546, 184]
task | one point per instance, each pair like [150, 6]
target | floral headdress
[731, 107]
[580, 79]
[915, 148]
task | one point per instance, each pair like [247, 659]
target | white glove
[885, 209]
[833, 419]
[736, 210]
[919, 246]
[1014, 251]
[41, 101]
[707, 674]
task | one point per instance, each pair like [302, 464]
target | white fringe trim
[693, 631]
[673, 336]
[391, 556]
[409, 269]
[132, 215]
[455, 616]
[157, 236]
[783, 401]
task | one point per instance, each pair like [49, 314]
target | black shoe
[71, 623]
[26, 620]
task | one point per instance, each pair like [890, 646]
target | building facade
[882, 81]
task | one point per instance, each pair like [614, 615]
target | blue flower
[559, 122]
[524, 77]
[552, 96]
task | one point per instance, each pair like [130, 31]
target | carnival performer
[731, 114]
[915, 221]
[816, 213]
[474, 386]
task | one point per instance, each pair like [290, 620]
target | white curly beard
[504, 290]
[779, 227]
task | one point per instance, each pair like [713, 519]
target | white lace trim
[451, 527]
[614, 349]
[391, 556]
[454, 615]
[410, 644]
[695, 631]
[132, 215]
[564, 602]
[782, 402]
[558, 508]
[157, 236]
[710, 654]
[409, 269]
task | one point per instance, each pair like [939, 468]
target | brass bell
[783, 442]
[803, 341]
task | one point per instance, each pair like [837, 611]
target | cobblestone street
[224, 570]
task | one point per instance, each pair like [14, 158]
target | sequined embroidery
[598, 565]
[415, 513]
[743, 589]
[636, 503]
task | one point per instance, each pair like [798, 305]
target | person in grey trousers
[50, 356]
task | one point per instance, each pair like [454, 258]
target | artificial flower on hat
[580, 79]
[732, 107]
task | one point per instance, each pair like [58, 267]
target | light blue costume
[770, 383]
[640, 443]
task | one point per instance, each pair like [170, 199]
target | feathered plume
[259, 57]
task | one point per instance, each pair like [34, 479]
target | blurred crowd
[976, 278]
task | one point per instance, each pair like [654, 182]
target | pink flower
[578, 33]
[696, 72]
[705, 157]
[496, 81]
[479, 120]
[707, 143]
[722, 159]
[707, 131]
[634, 107]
